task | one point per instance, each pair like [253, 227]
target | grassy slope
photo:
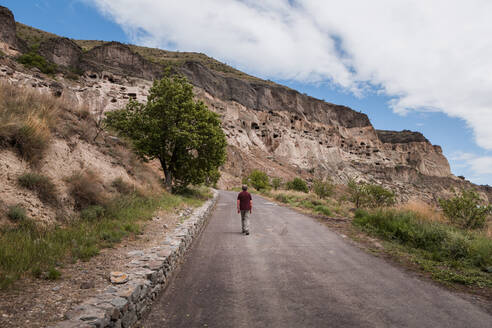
[28, 248]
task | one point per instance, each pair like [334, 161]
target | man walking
[244, 206]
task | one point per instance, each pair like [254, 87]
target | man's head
[245, 187]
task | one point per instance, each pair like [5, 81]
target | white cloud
[479, 166]
[429, 55]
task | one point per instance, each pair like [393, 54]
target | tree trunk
[168, 176]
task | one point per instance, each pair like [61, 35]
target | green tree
[259, 180]
[322, 188]
[379, 196]
[276, 183]
[370, 195]
[298, 184]
[357, 193]
[465, 210]
[181, 133]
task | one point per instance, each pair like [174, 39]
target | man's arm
[238, 205]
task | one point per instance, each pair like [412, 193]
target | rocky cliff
[268, 126]
[8, 37]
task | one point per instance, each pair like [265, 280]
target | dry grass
[26, 120]
[42, 185]
[87, 189]
[424, 211]
[31, 35]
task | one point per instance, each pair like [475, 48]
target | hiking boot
[247, 233]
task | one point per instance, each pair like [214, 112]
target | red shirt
[244, 198]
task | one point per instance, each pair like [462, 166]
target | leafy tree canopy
[465, 210]
[183, 134]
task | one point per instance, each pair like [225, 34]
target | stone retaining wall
[122, 305]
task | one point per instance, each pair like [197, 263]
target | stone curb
[149, 271]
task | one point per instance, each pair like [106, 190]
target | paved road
[294, 272]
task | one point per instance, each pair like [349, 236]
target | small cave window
[255, 126]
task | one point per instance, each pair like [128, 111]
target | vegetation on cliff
[26, 121]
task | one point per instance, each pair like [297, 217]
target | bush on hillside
[365, 195]
[322, 209]
[122, 187]
[322, 188]
[259, 180]
[298, 184]
[276, 183]
[42, 185]
[26, 119]
[33, 59]
[86, 189]
[16, 213]
[379, 196]
[465, 211]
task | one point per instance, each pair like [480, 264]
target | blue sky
[90, 19]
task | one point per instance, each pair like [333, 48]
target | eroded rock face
[396, 137]
[322, 147]
[271, 98]
[61, 51]
[118, 59]
[8, 38]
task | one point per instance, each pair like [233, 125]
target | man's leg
[243, 214]
[245, 221]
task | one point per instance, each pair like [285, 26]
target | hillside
[268, 126]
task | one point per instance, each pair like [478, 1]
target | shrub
[298, 184]
[33, 59]
[276, 183]
[481, 251]
[32, 139]
[465, 211]
[322, 209]
[282, 198]
[86, 189]
[357, 193]
[92, 213]
[370, 195]
[122, 187]
[259, 180]
[17, 213]
[53, 274]
[26, 118]
[40, 184]
[323, 189]
[379, 196]
[402, 226]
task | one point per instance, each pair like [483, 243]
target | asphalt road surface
[294, 272]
